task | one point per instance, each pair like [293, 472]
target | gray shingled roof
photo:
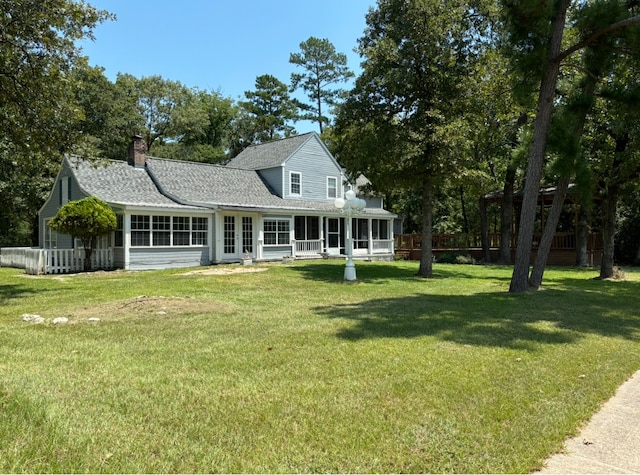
[214, 185]
[177, 184]
[117, 182]
[270, 154]
[208, 185]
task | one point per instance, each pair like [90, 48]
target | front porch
[316, 237]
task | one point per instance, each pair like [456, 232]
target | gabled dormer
[296, 168]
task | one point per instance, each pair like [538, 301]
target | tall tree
[271, 107]
[201, 129]
[323, 68]
[549, 20]
[401, 124]
[39, 50]
[158, 101]
[536, 33]
[38, 116]
[597, 63]
[613, 148]
[110, 118]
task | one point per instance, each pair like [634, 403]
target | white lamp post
[350, 206]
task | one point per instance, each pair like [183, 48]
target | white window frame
[291, 192]
[198, 233]
[50, 236]
[278, 233]
[330, 188]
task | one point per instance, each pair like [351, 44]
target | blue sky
[220, 45]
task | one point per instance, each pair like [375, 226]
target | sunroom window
[276, 232]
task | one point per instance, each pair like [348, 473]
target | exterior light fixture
[350, 206]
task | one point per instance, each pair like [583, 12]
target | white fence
[382, 246]
[53, 261]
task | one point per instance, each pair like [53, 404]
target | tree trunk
[520, 276]
[535, 280]
[484, 231]
[580, 111]
[426, 260]
[582, 239]
[465, 218]
[88, 252]
[609, 208]
[506, 216]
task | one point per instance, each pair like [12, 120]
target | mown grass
[293, 370]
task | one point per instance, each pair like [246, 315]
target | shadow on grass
[14, 291]
[370, 273]
[572, 307]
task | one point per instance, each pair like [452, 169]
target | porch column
[126, 230]
[370, 236]
[321, 232]
[260, 236]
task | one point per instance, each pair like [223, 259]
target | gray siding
[315, 164]
[374, 202]
[118, 257]
[54, 203]
[276, 252]
[165, 258]
[273, 178]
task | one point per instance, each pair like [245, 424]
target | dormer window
[295, 184]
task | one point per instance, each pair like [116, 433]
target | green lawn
[293, 370]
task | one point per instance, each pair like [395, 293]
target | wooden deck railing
[469, 241]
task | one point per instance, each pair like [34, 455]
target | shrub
[455, 258]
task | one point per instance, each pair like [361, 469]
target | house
[272, 200]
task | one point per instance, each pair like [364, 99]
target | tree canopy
[400, 124]
[323, 67]
[86, 219]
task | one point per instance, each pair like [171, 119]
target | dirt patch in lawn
[224, 270]
[147, 307]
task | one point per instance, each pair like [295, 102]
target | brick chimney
[137, 152]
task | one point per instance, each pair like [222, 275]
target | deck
[562, 253]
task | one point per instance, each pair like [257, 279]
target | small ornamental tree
[86, 219]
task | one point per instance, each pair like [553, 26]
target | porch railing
[382, 246]
[311, 247]
[53, 261]
[314, 247]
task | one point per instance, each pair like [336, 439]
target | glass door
[237, 236]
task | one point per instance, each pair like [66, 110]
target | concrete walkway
[610, 443]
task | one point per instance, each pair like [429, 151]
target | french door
[237, 236]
